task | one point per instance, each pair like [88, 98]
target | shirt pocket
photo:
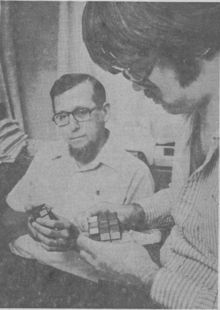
[113, 193]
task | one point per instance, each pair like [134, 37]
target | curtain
[9, 93]
[72, 54]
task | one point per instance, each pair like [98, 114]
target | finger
[31, 229]
[85, 233]
[59, 243]
[51, 233]
[97, 208]
[77, 220]
[32, 232]
[46, 222]
[50, 248]
[45, 240]
[104, 206]
[55, 224]
[65, 234]
[29, 223]
[28, 208]
[88, 257]
[59, 218]
[103, 273]
[84, 222]
[64, 224]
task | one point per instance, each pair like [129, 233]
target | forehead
[78, 96]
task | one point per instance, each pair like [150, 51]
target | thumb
[28, 208]
[95, 209]
[101, 206]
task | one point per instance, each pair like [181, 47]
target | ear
[106, 110]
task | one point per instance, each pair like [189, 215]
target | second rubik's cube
[104, 227]
[42, 211]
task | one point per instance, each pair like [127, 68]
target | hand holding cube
[104, 227]
[54, 233]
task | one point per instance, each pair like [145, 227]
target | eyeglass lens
[82, 114]
[144, 81]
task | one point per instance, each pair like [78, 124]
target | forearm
[158, 206]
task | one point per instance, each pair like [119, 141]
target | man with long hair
[171, 52]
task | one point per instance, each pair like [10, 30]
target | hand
[131, 215]
[32, 232]
[54, 235]
[127, 262]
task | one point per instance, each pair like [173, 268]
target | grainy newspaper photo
[109, 148]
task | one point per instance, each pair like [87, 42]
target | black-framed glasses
[80, 115]
[142, 81]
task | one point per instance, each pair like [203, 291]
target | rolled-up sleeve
[157, 206]
[19, 197]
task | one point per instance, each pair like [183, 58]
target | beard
[181, 106]
[186, 107]
[84, 154]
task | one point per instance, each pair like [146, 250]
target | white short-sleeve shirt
[54, 178]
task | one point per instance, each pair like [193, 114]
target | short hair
[116, 34]
[68, 81]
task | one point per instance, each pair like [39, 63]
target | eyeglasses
[142, 81]
[80, 115]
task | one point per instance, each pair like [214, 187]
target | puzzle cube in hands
[42, 211]
[104, 227]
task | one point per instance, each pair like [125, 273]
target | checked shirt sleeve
[157, 207]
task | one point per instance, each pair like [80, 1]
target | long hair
[117, 34]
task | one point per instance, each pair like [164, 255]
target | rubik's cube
[42, 211]
[104, 227]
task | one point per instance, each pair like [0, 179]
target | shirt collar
[110, 155]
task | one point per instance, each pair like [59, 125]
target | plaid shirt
[188, 278]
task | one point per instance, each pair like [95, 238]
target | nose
[137, 87]
[73, 123]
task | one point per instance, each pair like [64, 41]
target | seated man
[72, 175]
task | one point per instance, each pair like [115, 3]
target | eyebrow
[78, 107]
